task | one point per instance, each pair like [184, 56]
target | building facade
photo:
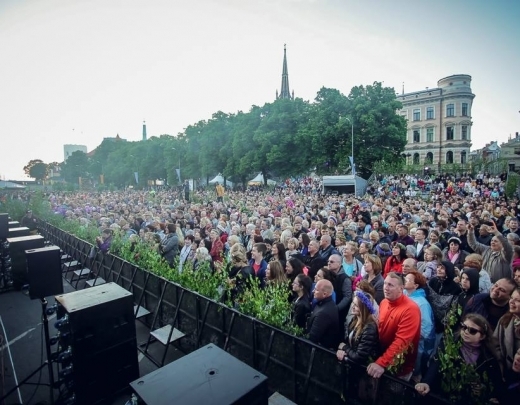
[439, 122]
[70, 149]
[510, 150]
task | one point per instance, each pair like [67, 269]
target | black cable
[40, 373]
[2, 369]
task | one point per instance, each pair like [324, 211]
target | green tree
[75, 166]
[36, 169]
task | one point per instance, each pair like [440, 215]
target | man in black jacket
[323, 325]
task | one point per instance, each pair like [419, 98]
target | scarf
[453, 256]
[470, 353]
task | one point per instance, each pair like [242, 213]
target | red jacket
[392, 265]
[217, 248]
[399, 326]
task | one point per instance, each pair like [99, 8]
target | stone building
[510, 150]
[439, 122]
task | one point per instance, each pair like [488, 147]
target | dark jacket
[327, 252]
[170, 247]
[314, 263]
[378, 284]
[459, 263]
[465, 296]
[343, 289]
[301, 311]
[241, 275]
[445, 286]
[261, 272]
[363, 347]
[481, 304]
[323, 327]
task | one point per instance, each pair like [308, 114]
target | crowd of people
[382, 280]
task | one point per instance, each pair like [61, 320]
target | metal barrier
[297, 368]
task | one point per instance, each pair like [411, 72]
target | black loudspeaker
[18, 232]
[209, 375]
[44, 272]
[4, 225]
[97, 342]
[17, 248]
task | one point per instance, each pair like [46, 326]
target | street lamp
[179, 174]
[352, 135]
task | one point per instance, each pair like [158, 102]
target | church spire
[284, 92]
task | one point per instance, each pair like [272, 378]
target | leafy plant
[459, 379]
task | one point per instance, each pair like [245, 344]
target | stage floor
[23, 349]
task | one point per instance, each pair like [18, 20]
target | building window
[429, 134]
[416, 136]
[450, 110]
[464, 133]
[429, 113]
[449, 157]
[429, 158]
[415, 158]
[464, 109]
[449, 133]
[463, 158]
[417, 114]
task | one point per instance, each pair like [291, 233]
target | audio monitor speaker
[44, 272]
[4, 227]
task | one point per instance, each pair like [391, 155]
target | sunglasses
[469, 329]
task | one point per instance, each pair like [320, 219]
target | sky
[77, 71]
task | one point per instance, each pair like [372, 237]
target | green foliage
[399, 360]
[270, 305]
[76, 166]
[36, 169]
[513, 180]
[459, 380]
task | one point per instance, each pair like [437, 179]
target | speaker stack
[17, 248]
[5, 259]
[97, 347]
[44, 272]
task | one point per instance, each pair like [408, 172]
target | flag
[102, 178]
[136, 175]
[178, 174]
[351, 158]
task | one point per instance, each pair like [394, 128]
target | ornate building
[439, 122]
[284, 91]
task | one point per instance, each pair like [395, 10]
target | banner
[136, 175]
[102, 178]
[178, 174]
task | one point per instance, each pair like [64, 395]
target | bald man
[409, 265]
[323, 326]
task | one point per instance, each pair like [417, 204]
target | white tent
[259, 180]
[219, 179]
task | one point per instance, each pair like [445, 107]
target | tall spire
[144, 130]
[284, 92]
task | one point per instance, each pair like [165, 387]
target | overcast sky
[76, 71]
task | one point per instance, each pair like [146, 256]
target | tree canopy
[36, 169]
[279, 139]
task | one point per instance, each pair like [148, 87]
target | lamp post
[352, 135]
[179, 174]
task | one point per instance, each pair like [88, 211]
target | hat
[352, 227]
[333, 218]
[364, 205]
[454, 239]
[221, 228]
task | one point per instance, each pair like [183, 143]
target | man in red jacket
[399, 331]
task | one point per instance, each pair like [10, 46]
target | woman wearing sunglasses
[477, 348]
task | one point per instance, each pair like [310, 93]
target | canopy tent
[220, 179]
[259, 180]
[10, 185]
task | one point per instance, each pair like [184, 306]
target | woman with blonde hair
[275, 273]
[373, 268]
[239, 272]
[474, 261]
[286, 235]
[361, 341]
[432, 258]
